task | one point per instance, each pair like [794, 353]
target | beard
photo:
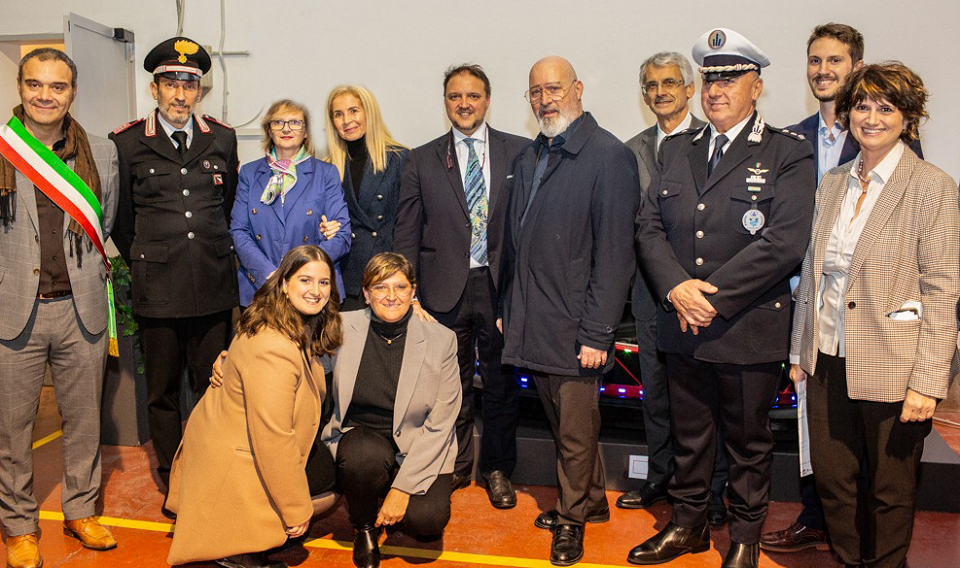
[552, 127]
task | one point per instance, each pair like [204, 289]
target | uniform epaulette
[128, 125]
[786, 132]
[215, 121]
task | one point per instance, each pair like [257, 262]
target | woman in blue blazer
[284, 200]
[369, 162]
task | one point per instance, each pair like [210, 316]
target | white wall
[302, 48]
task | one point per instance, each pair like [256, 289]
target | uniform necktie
[718, 145]
[477, 204]
[181, 138]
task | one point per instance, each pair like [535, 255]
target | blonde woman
[369, 162]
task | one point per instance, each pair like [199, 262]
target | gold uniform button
[379, 197]
[699, 234]
[259, 238]
[373, 234]
[701, 207]
[379, 217]
[664, 192]
[699, 262]
[183, 171]
[305, 239]
[309, 212]
[777, 305]
[254, 211]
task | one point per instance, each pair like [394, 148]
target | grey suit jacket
[20, 254]
[428, 399]
[644, 147]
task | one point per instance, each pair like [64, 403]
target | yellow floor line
[47, 439]
[329, 544]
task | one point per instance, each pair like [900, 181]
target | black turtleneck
[357, 157]
[375, 391]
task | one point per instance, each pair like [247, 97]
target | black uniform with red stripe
[172, 229]
[174, 217]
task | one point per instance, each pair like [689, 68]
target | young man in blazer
[833, 52]
[453, 201]
[666, 81]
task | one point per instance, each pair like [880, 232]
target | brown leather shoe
[92, 534]
[23, 551]
[794, 538]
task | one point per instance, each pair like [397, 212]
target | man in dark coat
[569, 263]
[724, 225]
[453, 203]
[178, 178]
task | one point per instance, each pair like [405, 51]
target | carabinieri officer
[178, 178]
[724, 225]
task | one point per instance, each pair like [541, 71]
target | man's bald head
[554, 94]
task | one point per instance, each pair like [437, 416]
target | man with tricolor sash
[178, 178]
[58, 196]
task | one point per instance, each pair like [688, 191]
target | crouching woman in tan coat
[239, 483]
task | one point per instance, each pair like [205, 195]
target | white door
[105, 68]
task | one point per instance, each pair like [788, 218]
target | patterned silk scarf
[284, 175]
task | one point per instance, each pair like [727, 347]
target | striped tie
[477, 203]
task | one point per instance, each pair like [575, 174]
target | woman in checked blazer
[875, 328]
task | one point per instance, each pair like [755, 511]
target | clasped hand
[693, 309]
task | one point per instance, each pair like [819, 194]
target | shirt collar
[822, 126]
[885, 168]
[170, 129]
[684, 124]
[480, 134]
[559, 139]
[733, 132]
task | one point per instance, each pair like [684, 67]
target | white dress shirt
[481, 147]
[829, 146]
[841, 245]
[730, 134]
[170, 129]
[684, 124]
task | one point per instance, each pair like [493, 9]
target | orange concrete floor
[477, 535]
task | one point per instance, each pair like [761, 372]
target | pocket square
[911, 310]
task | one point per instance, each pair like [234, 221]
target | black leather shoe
[716, 510]
[366, 550]
[460, 482]
[671, 542]
[252, 560]
[500, 490]
[548, 519]
[649, 494]
[742, 556]
[794, 538]
[567, 546]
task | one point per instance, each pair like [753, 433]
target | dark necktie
[181, 138]
[718, 145]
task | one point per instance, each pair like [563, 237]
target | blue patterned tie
[477, 203]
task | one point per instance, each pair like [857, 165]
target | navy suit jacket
[262, 233]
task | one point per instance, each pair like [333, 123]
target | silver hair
[665, 58]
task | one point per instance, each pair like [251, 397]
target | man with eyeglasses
[454, 194]
[569, 260]
[726, 221]
[178, 178]
[666, 82]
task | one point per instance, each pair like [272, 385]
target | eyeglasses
[666, 84]
[551, 92]
[292, 124]
[381, 291]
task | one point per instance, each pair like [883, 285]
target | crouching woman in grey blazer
[396, 391]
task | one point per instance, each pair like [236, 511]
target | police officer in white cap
[725, 223]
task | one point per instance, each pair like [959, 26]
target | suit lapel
[28, 197]
[498, 168]
[161, 144]
[890, 196]
[445, 152]
[348, 360]
[698, 159]
[201, 141]
[414, 352]
[735, 155]
[648, 154]
[305, 171]
[829, 200]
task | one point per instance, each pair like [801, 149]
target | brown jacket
[909, 250]
[238, 479]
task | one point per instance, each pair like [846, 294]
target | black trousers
[743, 394]
[366, 466]
[168, 345]
[656, 413]
[572, 406]
[874, 530]
[474, 320]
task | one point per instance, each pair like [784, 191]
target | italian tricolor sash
[65, 188]
[57, 181]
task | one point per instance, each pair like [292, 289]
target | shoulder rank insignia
[127, 126]
[215, 121]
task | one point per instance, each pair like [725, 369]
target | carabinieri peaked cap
[178, 58]
[722, 54]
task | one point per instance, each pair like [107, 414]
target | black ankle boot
[366, 550]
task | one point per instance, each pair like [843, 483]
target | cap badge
[185, 47]
[717, 39]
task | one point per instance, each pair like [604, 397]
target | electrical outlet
[637, 467]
